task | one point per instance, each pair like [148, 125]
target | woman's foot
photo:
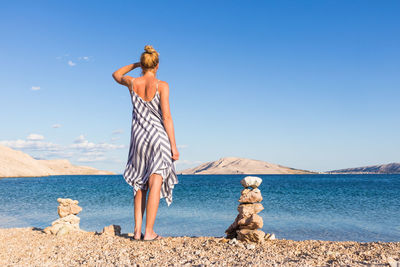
[138, 236]
[152, 236]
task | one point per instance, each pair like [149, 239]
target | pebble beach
[33, 247]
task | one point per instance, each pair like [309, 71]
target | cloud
[182, 146]
[31, 145]
[118, 131]
[62, 153]
[80, 139]
[56, 125]
[94, 153]
[35, 88]
[83, 144]
[91, 159]
[71, 61]
[63, 56]
[92, 156]
[34, 137]
[80, 150]
[86, 58]
[32, 142]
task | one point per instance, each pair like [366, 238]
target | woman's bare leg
[155, 182]
[139, 208]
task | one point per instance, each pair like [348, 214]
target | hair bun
[149, 58]
[149, 49]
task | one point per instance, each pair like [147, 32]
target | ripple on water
[325, 207]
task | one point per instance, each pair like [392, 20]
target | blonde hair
[149, 59]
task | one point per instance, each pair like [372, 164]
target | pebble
[250, 246]
[233, 241]
[251, 181]
[272, 237]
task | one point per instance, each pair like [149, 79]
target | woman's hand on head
[120, 77]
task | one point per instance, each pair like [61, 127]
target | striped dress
[150, 149]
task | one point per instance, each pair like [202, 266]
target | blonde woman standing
[152, 152]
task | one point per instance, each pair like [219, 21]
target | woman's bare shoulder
[163, 86]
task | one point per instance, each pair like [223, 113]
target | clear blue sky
[306, 84]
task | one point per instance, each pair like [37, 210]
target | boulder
[251, 181]
[253, 222]
[245, 210]
[67, 210]
[70, 219]
[67, 201]
[112, 230]
[251, 196]
[245, 191]
[231, 231]
[63, 225]
[248, 235]
[67, 207]
[65, 229]
[71, 222]
[52, 229]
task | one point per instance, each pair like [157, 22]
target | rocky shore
[33, 247]
[63, 243]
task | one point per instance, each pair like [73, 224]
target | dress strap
[131, 90]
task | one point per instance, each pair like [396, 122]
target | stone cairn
[112, 230]
[68, 221]
[247, 223]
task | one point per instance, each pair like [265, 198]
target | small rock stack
[247, 223]
[68, 221]
[112, 230]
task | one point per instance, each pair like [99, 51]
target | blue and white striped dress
[150, 149]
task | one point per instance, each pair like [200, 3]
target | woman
[153, 150]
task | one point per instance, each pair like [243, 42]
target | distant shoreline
[184, 174]
[49, 176]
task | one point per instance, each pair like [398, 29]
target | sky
[307, 84]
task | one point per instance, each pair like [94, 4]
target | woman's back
[145, 87]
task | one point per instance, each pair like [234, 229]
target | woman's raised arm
[120, 77]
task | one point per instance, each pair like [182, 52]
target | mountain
[233, 165]
[390, 168]
[14, 163]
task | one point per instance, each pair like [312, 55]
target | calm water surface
[325, 207]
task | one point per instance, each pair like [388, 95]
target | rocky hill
[14, 163]
[233, 165]
[391, 168]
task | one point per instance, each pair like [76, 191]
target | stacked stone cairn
[112, 230]
[247, 223]
[68, 221]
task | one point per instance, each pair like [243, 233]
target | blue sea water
[299, 207]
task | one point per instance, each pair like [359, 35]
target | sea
[336, 207]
